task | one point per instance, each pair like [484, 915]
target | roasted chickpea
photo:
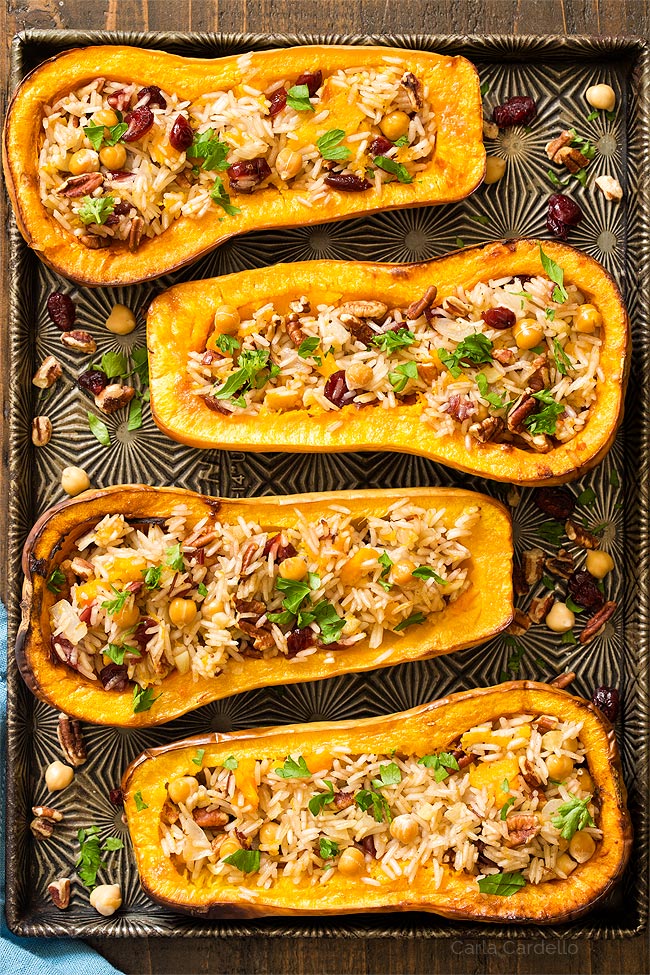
[560, 618]
[527, 333]
[585, 780]
[582, 846]
[358, 375]
[602, 97]
[404, 828]
[128, 615]
[105, 116]
[495, 168]
[83, 161]
[58, 776]
[351, 861]
[294, 568]
[106, 899]
[121, 320]
[226, 320]
[559, 767]
[288, 163]
[565, 864]
[74, 480]
[229, 846]
[182, 611]
[113, 157]
[402, 572]
[598, 563]
[179, 790]
[394, 125]
[587, 319]
[269, 837]
[552, 740]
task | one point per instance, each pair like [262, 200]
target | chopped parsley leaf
[562, 361]
[442, 764]
[412, 620]
[473, 350]
[220, 196]
[208, 147]
[202, 589]
[113, 606]
[298, 99]
[307, 348]
[390, 341]
[143, 698]
[227, 343]
[293, 770]
[556, 274]
[546, 420]
[318, 802]
[253, 373]
[328, 848]
[89, 861]
[498, 402]
[152, 576]
[248, 861]
[402, 374]
[230, 763]
[503, 884]
[505, 807]
[174, 558]
[394, 168]
[368, 799]
[117, 652]
[96, 209]
[329, 146]
[198, 758]
[572, 816]
[426, 572]
[55, 581]
[140, 804]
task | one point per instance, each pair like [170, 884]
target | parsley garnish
[140, 804]
[485, 87]
[135, 414]
[307, 348]
[402, 141]
[442, 765]
[570, 604]
[143, 698]
[248, 861]
[480, 218]
[394, 168]
[369, 799]
[89, 861]
[562, 361]
[113, 364]
[117, 652]
[555, 180]
[614, 479]
[221, 197]
[95, 133]
[459, 242]
[253, 373]
[152, 576]
[231, 763]
[174, 558]
[298, 99]
[556, 274]
[493, 399]
[113, 606]
[208, 147]
[546, 420]
[568, 639]
[296, 592]
[198, 758]
[390, 341]
[96, 210]
[55, 581]
[411, 620]
[389, 774]
[550, 314]
[551, 531]
[227, 343]
[202, 589]
[293, 770]
[505, 786]
[386, 562]
[328, 848]
[474, 349]
[503, 884]
[426, 572]
[329, 146]
[572, 816]
[402, 374]
[587, 497]
[140, 364]
[318, 802]
[505, 807]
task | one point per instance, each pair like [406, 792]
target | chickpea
[527, 333]
[559, 767]
[226, 320]
[121, 320]
[585, 780]
[587, 319]
[106, 899]
[128, 615]
[495, 168]
[74, 480]
[83, 161]
[602, 97]
[394, 125]
[404, 828]
[582, 846]
[288, 163]
[294, 568]
[565, 864]
[179, 790]
[598, 563]
[113, 157]
[358, 375]
[402, 572]
[229, 846]
[552, 740]
[351, 861]
[269, 837]
[182, 611]
[560, 619]
[58, 776]
[105, 116]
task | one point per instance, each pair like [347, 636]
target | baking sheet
[554, 70]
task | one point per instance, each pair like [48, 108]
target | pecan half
[170, 812]
[487, 430]
[519, 413]
[572, 158]
[135, 233]
[540, 607]
[455, 305]
[376, 310]
[46, 812]
[262, 638]
[292, 326]
[413, 89]
[59, 891]
[114, 397]
[79, 341]
[343, 800]
[210, 818]
[595, 625]
[41, 431]
[545, 723]
[462, 758]
[94, 242]
[418, 308]
[42, 828]
[561, 566]
[83, 185]
[250, 607]
[533, 565]
[518, 581]
[505, 356]
[579, 535]
[538, 380]
[522, 827]
[47, 373]
[564, 139]
[82, 568]
[68, 731]
[520, 624]
[530, 775]
[359, 330]
[563, 680]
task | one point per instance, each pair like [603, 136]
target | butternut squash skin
[180, 320]
[422, 730]
[479, 614]
[456, 167]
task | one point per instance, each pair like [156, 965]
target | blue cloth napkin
[33, 956]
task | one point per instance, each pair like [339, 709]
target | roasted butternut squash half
[124, 164]
[143, 603]
[479, 360]
[503, 803]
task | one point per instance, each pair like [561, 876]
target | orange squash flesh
[478, 614]
[426, 729]
[180, 320]
[455, 169]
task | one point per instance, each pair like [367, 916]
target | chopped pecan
[557, 502]
[461, 407]
[361, 331]
[418, 308]
[82, 568]
[520, 624]
[538, 380]
[114, 397]
[47, 373]
[545, 723]
[250, 607]
[490, 129]
[250, 554]
[210, 357]
[462, 758]
[343, 800]
[279, 548]
[292, 326]
[538, 442]
[413, 89]
[79, 341]
[584, 590]
[522, 827]
[59, 891]
[610, 186]
[94, 242]
[82, 185]
[564, 139]
[42, 828]
[135, 233]
[579, 535]
[41, 431]
[596, 623]
[46, 812]
[68, 731]
[210, 818]
[518, 581]
[561, 566]
[524, 408]
[533, 565]
[513, 496]
[487, 430]
[563, 680]
[262, 638]
[572, 158]
[505, 356]
[455, 305]
[540, 607]
[530, 775]
[216, 405]
[376, 310]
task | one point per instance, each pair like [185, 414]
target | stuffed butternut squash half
[143, 603]
[507, 360]
[124, 164]
[497, 804]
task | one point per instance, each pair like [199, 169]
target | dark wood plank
[304, 957]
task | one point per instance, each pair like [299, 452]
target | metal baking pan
[555, 70]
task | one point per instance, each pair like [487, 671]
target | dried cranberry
[347, 182]
[278, 100]
[114, 677]
[61, 310]
[141, 636]
[299, 640]
[562, 214]
[556, 502]
[380, 146]
[519, 110]
[584, 591]
[92, 381]
[151, 95]
[139, 122]
[116, 797]
[499, 318]
[120, 175]
[246, 175]
[122, 208]
[86, 613]
[119, 100]
[279, 548]
[368, 846]
[216, 405]
[63, 650]
[607, 700]
[336, 389]
[313, 80]
[182, 134]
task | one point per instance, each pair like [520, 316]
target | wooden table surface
[618, 17]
